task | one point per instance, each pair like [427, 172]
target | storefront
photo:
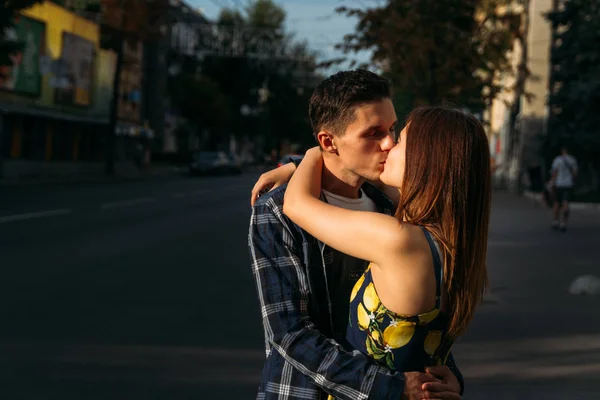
[28, 135]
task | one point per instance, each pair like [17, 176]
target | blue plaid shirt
[303, 361]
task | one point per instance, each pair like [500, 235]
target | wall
[89, 93]
[533, 114]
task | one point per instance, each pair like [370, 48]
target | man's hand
[447, 386]
[414, 383]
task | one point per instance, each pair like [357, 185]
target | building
[164, 58]
[532, 116]
[55, 105]
[130, 125]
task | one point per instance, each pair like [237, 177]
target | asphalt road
[143, 290]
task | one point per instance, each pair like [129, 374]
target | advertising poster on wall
[24, 76]
[77, 59]
[106, 63]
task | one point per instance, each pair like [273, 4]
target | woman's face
[393, 169]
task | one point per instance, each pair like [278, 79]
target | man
[304, 286]
[564, 171]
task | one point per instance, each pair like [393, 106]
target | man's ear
[326, 140]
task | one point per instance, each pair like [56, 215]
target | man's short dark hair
[334, 100]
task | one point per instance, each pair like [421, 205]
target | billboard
[75, 75]
[74, 84]
[24, 75]
[106, 64]
[72, 75]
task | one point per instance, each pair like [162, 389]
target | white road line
[41, 214]
[127, 203]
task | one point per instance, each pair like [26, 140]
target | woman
[427, 271]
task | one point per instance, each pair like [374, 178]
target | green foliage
[437, 51]
[282, 115]
[574, 98]
[200, 100]
[267, 15]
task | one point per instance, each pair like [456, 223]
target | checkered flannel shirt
[302, 359]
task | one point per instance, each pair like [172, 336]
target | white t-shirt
[565, 167]
[363, 203]
[345, 270]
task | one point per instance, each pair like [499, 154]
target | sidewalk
[532, 339]
[536, 198]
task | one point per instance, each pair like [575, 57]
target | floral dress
[399, 342]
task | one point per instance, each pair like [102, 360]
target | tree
[200, 101]
[574, 98]
[522, 73]
[437, 51]
[265, 59]
[8, 11]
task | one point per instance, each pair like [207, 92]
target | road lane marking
[127, 203]
[40, 214]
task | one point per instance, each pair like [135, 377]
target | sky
[313, 20]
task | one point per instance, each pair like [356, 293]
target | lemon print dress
[400, 342]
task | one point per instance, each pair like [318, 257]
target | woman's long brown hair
[447, 188]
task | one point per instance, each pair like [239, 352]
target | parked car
[213, 162]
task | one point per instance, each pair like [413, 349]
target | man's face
[364, 147]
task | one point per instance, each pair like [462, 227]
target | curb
[537, 198]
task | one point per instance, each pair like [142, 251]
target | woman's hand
[305, 185]
[272, 179]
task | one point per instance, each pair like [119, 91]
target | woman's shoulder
[409, 237]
